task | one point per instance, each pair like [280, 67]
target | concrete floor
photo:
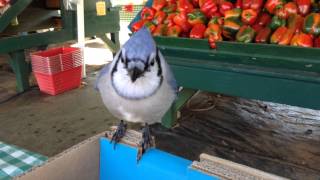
[50, 124]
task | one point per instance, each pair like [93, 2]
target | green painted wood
[116, 40]
[32, 19]
[270, 51]
[276, 63]
[170, 118]
[13, 12]
[21, 69]
[183, 43]
[113, 43]
[246, 69]
[290, 87]
[283, 74]
[91, 5]
[15, 43]
[238, 53]
[94, 25]
[102, 24]
[69, 20]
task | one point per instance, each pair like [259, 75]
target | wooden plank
[291, 53]
[308, 65]
[275, 138]
[246, 69]
[33, 40]
[32, 19]
[13, 12]
[244, 54]
[102, 24]
[263, 84]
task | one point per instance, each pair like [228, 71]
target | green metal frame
[13, 12]
[170, 117]
[281, 74]
[15, 45]
[21, 68]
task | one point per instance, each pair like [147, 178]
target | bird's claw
[119, 133]
[146, 142]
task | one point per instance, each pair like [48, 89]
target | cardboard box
[80, 162]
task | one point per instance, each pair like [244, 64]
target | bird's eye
[152, 63]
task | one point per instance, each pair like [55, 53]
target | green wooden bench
[15, 45]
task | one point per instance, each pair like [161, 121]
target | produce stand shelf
[33, 19]
[281, 74]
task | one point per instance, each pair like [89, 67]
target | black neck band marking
[115, 67]
[159, 63]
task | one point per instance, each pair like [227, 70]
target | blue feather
[140, 45]
[170, 79]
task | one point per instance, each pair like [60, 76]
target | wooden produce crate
[282, 74]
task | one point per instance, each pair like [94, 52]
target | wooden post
[21, 69]
[81, 32]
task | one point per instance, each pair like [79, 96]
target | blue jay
[137, 86]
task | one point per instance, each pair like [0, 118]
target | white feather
[144, 86]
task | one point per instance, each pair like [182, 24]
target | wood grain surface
[275, 138]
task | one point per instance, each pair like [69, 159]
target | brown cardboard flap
[78, 162]
[226, 169]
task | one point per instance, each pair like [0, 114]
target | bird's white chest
[150, 109]
[143, 87]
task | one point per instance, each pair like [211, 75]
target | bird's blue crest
[140, 45]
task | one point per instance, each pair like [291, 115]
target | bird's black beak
[135, 73]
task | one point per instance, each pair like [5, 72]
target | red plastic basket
[57, 70]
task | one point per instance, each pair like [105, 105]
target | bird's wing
[171, 79]
[169, 75]
[105, 70]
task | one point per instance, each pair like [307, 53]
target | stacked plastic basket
[57, 70]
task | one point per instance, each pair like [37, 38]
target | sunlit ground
[96, 52]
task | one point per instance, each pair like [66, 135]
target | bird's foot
[119, 133]
[146, 142]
